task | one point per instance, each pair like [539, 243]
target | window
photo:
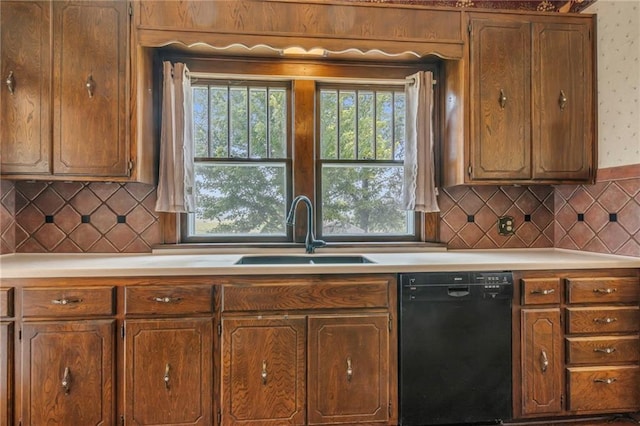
[263, 139]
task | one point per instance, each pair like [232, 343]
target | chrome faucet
[310, 241]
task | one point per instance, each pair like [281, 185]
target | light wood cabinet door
[6, 373]
[89, 88]
[25, 142]
[348, 369]
[263, 371]
[500, 99]
[563, 101]
[68, 373]
[542, 360]
[169, 373]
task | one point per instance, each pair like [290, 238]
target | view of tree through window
[362, 151]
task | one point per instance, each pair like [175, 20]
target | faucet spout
[310, 241]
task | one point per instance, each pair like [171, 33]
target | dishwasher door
[455, 348]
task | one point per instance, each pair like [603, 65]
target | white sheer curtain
[175, 182]
[418, 191]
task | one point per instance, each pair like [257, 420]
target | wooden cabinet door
[68, 373]
[542, 385]
[500, 99]
[168, 370]
[263, 371]
[6, 373]
[90, 49]
[348, 369]
[25, 140]
[563, 102]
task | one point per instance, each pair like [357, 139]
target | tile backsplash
[76, 217]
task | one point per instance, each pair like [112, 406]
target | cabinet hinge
[389, 407]
[219, 329]
[122, 331]
[219, 417]
[122, 420]
[130, 10]
[469, 170]
[561, 401]
[469, 28]
[130, 165]
[20, 334]
[390, 323]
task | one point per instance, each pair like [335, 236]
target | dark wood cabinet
[531, 101]
[169, 371]
[263, 371]
[67, 374]
[542, 384]
[6, 373]
[25, 68]
[348, 369]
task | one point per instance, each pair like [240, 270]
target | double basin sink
[293, 259]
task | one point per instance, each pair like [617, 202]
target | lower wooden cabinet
[263, 371]
[68, 372]
[6, 373]
[541, 361]
[169, 373]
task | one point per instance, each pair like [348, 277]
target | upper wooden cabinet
[65, 105]
[531, 101]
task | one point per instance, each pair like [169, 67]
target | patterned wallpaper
[618, 81]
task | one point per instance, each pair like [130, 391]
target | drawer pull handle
[605, 350]
[90, 85]
[11, 83]
[607, 381]
[263, 375]
[166, 376]
[167, 299]
[66, 381]
[65, 301]
[544, 361]
[606, 320]
[605, 290]
[543, 292]
[562, 100]
[349, 369]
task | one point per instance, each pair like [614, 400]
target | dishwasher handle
[458, 291]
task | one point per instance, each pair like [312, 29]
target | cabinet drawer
[6, 302]
[305, 294]
[89, 301]
[603, 320]
[609, 389]
[603, 350]
[539, 291]
[603, 290]
[168, 300]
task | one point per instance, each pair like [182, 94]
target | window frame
[304, 75]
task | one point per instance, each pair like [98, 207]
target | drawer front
[603, 320]
[540, 291]
[6, 302]
[168, 300]
[88, 301]
[603, 290]
[306, 295]
[606, 389]
[603, 350]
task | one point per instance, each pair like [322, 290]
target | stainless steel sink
[293, 259]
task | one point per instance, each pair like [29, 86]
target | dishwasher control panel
[456, 285]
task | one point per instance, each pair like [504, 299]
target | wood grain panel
[603, 320]
[603, 349]
[67, 302]
[165, 300]
[616, 388]
[367, 293]
[539, 291]
[263, 371]
[169, 372]
[603, 290]
[6, 302]
[85, 351]
[25, 138]
[348, 369]
[541, 361]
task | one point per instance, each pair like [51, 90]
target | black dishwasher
[455, 348]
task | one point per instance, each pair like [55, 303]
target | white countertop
[161, 264]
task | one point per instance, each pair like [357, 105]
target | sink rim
[304, 259]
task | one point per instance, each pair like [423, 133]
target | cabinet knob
[263, 375]
[544, 361]
[502, 99]
[349, 369]
[11, 82]
[166, 377]
[66, 381]
[562, 101]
